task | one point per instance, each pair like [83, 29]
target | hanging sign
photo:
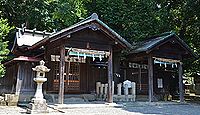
[160, 82]
[135, 65]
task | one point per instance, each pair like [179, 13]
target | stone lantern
[38, 104]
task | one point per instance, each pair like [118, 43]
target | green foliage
[34, 13]
[43, 14]
[134, 20]
[68, 12]
[4, 30]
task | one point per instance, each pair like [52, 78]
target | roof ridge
[93, 16]
[160, 35]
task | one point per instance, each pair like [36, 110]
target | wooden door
[72, 81]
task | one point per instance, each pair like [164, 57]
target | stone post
[133, 90]
[101, 90]
[119, 86]
[126, 91]
[105, 91]
[98, 85]
[38, 103]
[113, 87]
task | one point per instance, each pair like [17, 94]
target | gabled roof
[30, 37]
[151, 43]
[26, 37]
[89, 20]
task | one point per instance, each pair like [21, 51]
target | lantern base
[37, 106]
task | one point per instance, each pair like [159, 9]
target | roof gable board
[91, 22]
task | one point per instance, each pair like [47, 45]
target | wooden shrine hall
[90, 51]
[156, 64]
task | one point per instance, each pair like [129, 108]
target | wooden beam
[181, 92]
[110, 76]
[150, 77]
[61, 74]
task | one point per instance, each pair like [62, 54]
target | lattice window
[74, 77]
[72, 82]
[56, 76]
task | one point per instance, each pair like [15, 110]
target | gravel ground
[137, 108]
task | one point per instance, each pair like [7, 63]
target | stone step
[141, 97]
[75, 100]
[70, 98]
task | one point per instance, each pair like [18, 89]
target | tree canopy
[134, 20]
[4, 30]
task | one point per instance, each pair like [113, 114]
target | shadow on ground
[162, 108]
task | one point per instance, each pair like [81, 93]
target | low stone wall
[9, 100]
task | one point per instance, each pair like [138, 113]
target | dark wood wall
[132, 74]
[170, 80]
[19, 76]
[97, 74]
[7, 83]
[26, 74]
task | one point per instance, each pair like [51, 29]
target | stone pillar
[133, 90]
[98, 85]
[126, 91]
[101, 90]
[38, 103]
[119, 86]
[105, 91]
[113, 87]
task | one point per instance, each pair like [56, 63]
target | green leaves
[4, 30]
[134, 20]
[68, 12]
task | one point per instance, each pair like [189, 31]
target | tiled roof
[149, 44]
[93, 17]
[29, 37]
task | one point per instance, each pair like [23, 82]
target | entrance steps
[142, 97]
[70, 98]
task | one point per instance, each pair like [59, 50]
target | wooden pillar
[150, 77]
[140, 78]
[181, 90]
[61, 74]
[110, 76]
[19, 79]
